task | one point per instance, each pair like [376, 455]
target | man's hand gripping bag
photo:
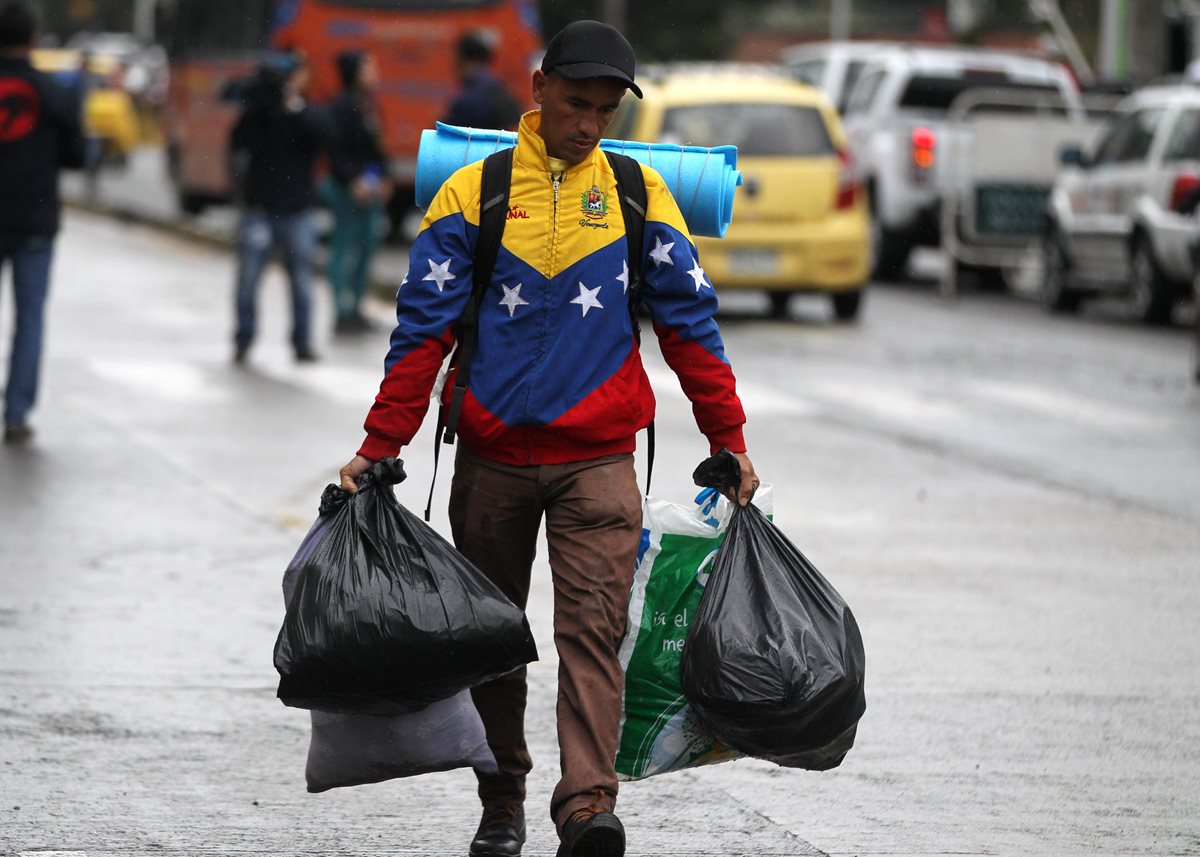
[386, 617]
[774, 661]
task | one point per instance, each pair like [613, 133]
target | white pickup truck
[903, 142]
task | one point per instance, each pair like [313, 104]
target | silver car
[1114, 221]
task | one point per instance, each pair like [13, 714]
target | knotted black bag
[773, 661]
[387, 617]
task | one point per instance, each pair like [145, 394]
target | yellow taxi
[800, 221]
[109, 112]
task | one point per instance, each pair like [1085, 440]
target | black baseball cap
[587, 49]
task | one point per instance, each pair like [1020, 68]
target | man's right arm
[429, 303]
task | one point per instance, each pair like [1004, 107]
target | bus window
[412, 5]
[212, 27]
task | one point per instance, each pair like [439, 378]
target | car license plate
[753, 261]
[1010, 209]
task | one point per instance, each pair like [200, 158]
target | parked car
[834, 66]
[902, 142]
[108, 112]
[799, 220]
[1114, 221]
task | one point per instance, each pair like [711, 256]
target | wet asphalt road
[1009, 501]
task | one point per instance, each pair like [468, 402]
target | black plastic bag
[773, 661]
[387, 617]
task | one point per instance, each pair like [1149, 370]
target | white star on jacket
[512, 299]
[440, 274]
[623, 277]
[697, 274]
[587, 299]
[661, 252]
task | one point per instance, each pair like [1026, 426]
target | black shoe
[592, 833]
[18, 433]
[239, 355]
[501, 832]
[306, 355]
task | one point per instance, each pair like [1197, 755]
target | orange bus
[212, 42]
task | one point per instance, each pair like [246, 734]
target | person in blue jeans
[274, 149]
[40, 131]
[356, 189]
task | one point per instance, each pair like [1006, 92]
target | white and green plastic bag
[659, 732]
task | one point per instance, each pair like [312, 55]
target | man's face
[575, 112]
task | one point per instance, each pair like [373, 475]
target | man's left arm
[683, 306]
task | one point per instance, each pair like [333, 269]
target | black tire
[1057, 293]
[1150, 296]
[846, 304]
[984, 278]
[890, 251]
[192, 203]
[779, 303]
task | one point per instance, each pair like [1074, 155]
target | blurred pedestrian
[273, 154]
[484, 101]
[556, 396]
[357, 188]
[40, 131]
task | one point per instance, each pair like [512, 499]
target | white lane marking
[1062, 405]
[165, 379]
[337, 383]
[889, 403]
[181, 381]
[757, 399]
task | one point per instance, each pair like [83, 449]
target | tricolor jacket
[557, 376]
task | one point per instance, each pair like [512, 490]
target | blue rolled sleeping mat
[701, 180]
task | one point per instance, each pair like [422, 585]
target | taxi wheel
[846, 305]
[889, 253]
[779, 303]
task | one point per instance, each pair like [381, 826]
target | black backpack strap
[631, 191]
[493, 212]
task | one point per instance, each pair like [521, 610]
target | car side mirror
[1072, 156]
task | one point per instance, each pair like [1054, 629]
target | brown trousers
[593, 525]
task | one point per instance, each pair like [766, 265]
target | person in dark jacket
[40, 131]
[274, 149]
[357, 188]
[484, 101]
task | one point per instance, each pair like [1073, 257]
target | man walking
[274, 149]
[40, 131]
[548, 425]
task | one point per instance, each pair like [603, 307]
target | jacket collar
[531, 148]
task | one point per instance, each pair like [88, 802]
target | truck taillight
[924, 151]
[847, 189]
[1185, 183]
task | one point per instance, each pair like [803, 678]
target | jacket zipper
[555, 181]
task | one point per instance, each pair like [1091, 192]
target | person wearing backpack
[543, 317]
[41, 131]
